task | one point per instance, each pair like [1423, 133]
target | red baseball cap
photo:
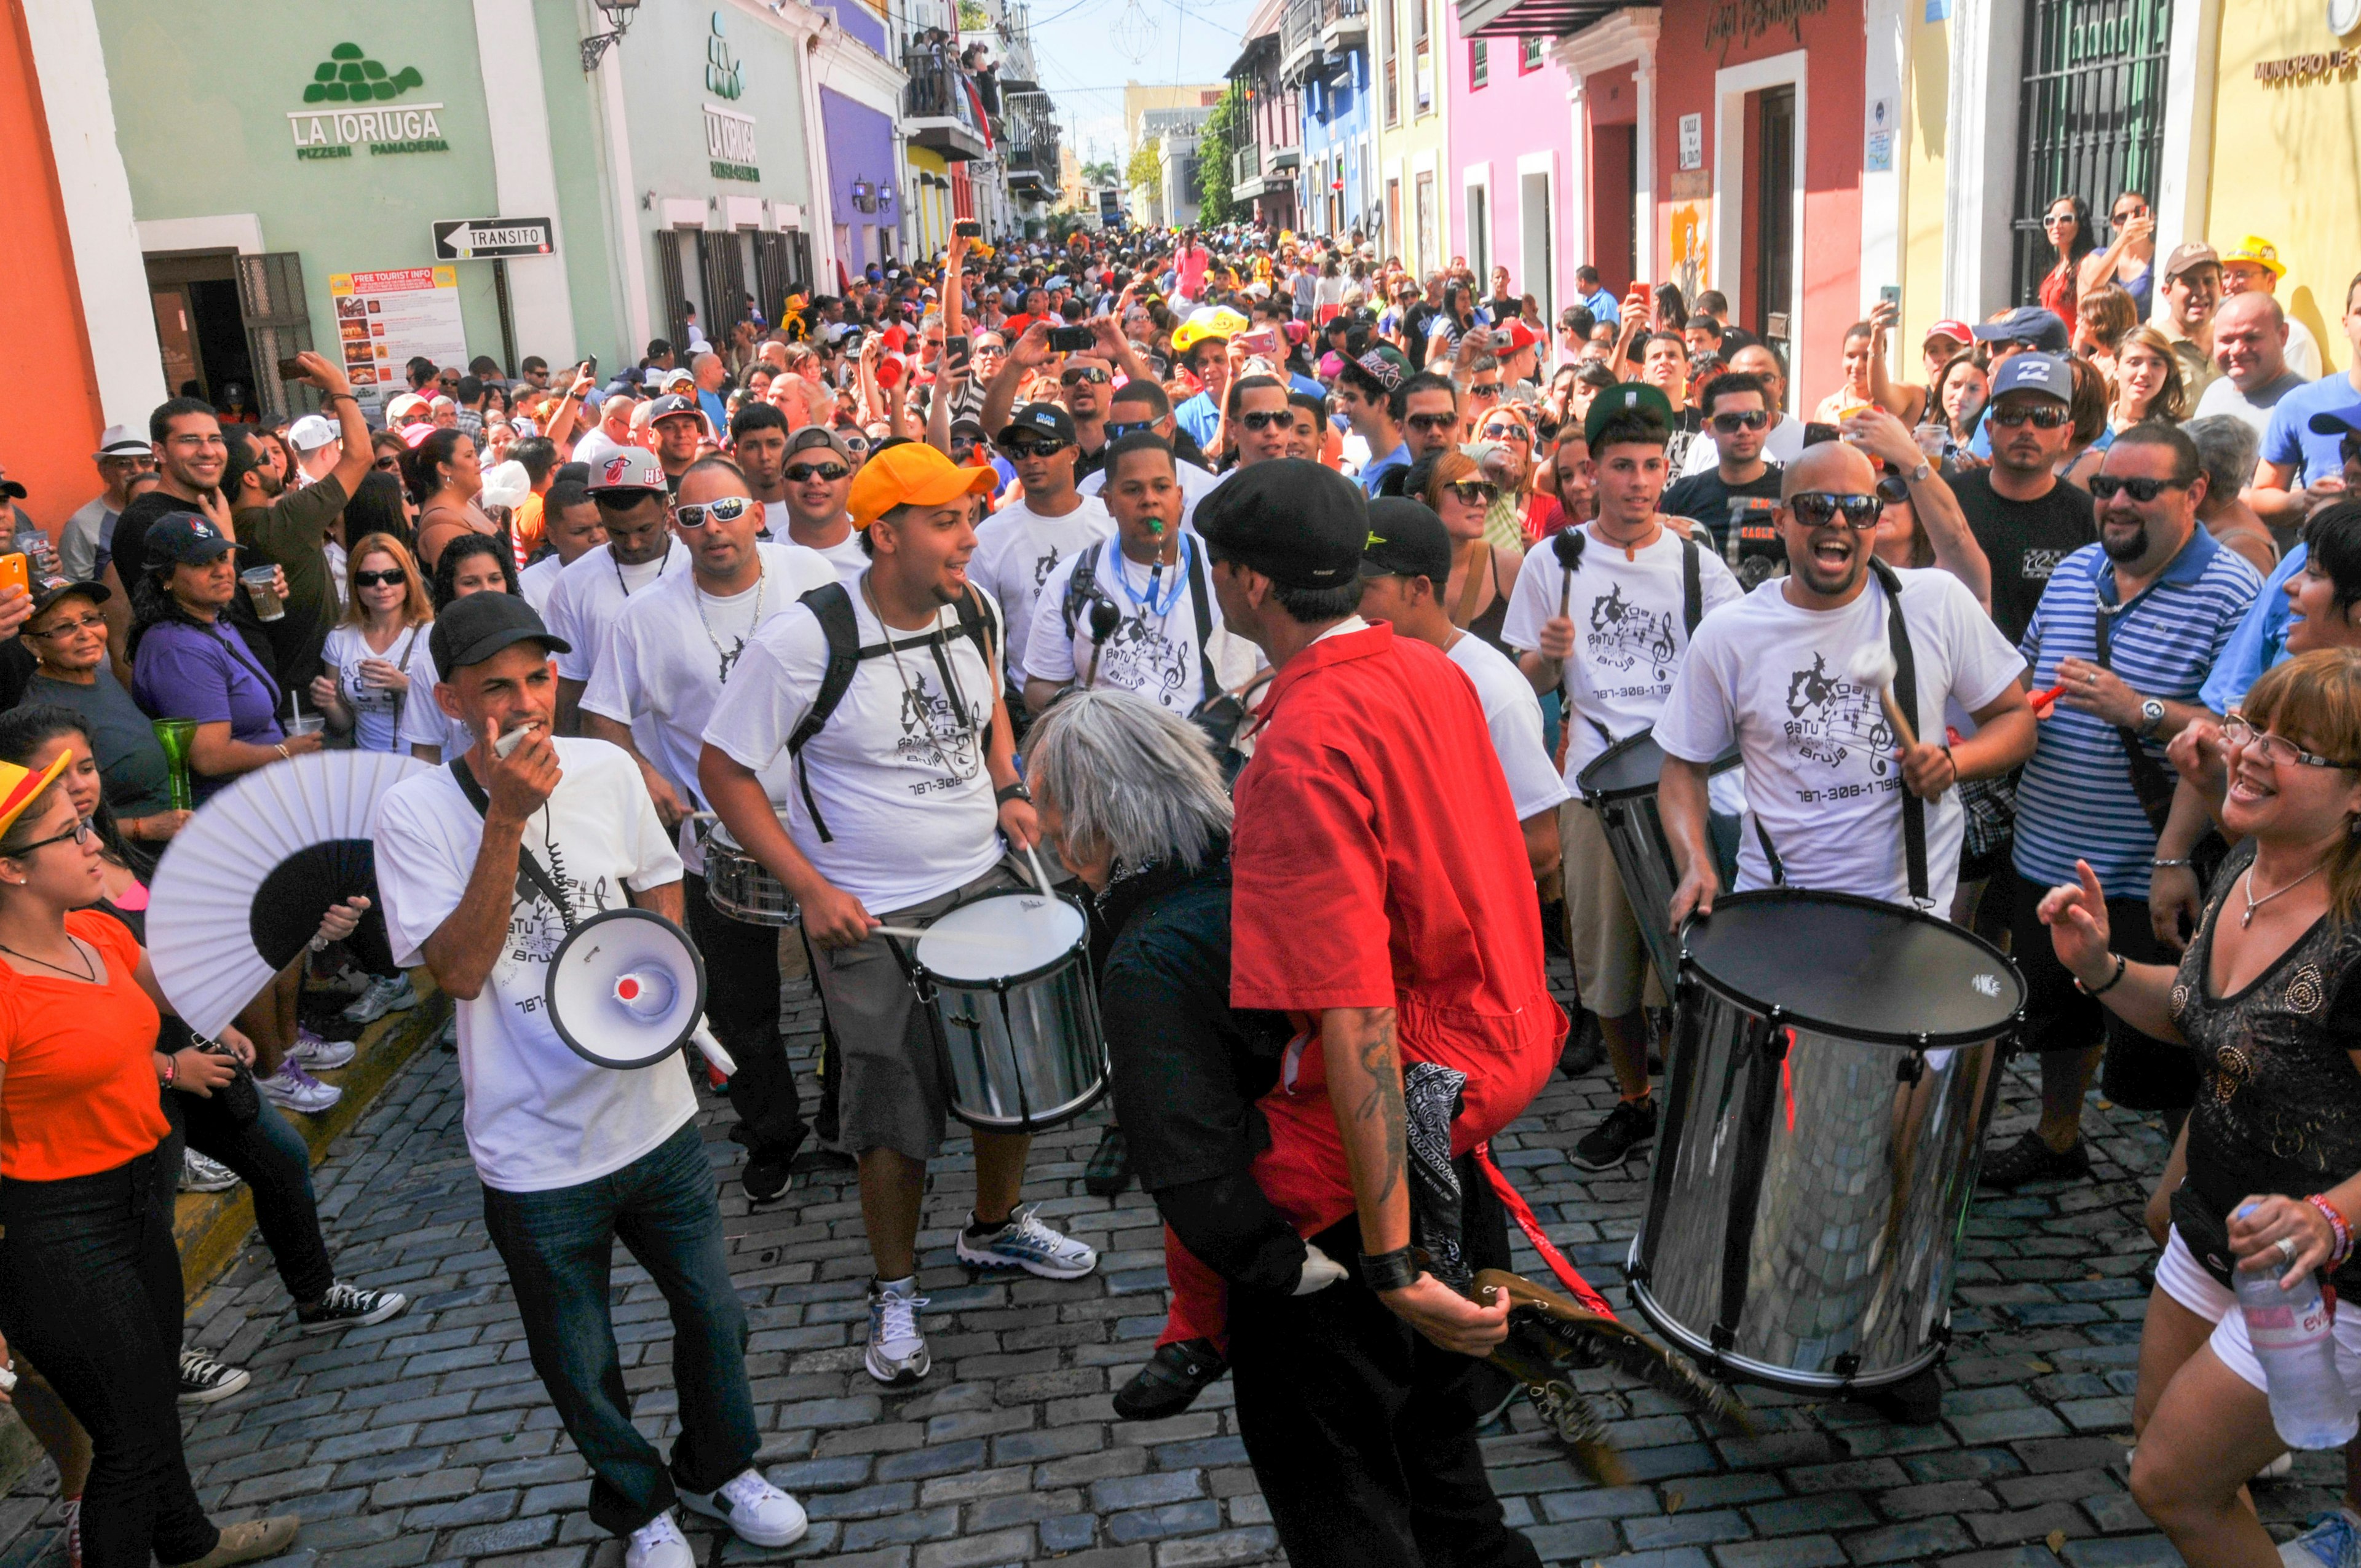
[1959, 331]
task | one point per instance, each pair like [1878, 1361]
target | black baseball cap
[2338, 425]
[1406, 540]
[1042, 419]
[48, 591]
[1297, 522]
[474, 629]
[184, 539]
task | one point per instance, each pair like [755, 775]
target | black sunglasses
[1818, 509]
[1476, 492]
[722, 509]
[1117, 431]
[389, 464]
[802, 473]
[1080, 373]
[391, 577]
[1433, 421]
[2040, 418]
[1731, 424]
[1017, 451]
[1269, 418]
[1484, 388]
[2106, 487]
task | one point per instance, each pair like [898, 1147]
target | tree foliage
[1227, 128]
[1147, 166]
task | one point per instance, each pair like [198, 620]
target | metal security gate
[2090, 117]
[270, 301]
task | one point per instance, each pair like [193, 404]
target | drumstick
[2042, 699]
[1040, 877]
[1873, 666]
[912, 932]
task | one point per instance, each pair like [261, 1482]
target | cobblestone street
[427, 1440]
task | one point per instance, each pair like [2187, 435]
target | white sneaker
[897, 1351]
[392, 994]
[200, 1174]
[659, 1544]
[755, 1510]
[319, 1053]
[1025, 1243]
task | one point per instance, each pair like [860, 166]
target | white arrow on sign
[464, 239]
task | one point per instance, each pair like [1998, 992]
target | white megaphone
[627, 988]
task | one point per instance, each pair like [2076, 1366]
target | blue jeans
[559, 1247]
[90, 1290]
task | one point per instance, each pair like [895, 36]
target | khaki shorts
[1611, 960]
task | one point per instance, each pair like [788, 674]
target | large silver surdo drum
[1835, 1064]
[1007, 977]
[1620, 785]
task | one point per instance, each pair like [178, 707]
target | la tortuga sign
[482, 239]
[353, 100]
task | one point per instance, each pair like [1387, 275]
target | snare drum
[1620, 785]
[1836, 1063]
[1006, 977]
[737, 885]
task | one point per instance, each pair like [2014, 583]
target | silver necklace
[2246, 885]
[909, 691]
[729, 657]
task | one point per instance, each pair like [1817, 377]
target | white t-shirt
[1629, 631]
[424, 722]
[1514, 714]
[591, 593]
[898, 769]
[538, 581]
[1016, 549]
[1149, 653]
[1820, 774]
[1196, 486]
[538, 1116]
[597, 446]
[774, 520]
[1782, 446]
[377, 712]
[669, 655]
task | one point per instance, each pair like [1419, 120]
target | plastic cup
[305, 724]
[260, 586]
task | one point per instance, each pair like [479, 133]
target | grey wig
[1129, 777]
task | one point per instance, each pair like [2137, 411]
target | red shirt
[1378, 862]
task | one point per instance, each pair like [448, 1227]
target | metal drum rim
[1794, 1019]
[1005, 981]
[1768, 1374]
[1043, 1122]
[1595, 797]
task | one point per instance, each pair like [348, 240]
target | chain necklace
[88, 975]
[909, 693]
[661, 562]
[2247, 886]
[729, 657]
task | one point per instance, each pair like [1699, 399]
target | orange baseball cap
[912, 474]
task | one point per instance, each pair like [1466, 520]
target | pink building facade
[1510, 139]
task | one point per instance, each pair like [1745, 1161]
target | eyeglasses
[2277, 749]
[1475, 492]
[1484, 388]
[1076, 374]
[2106, 487]
[67, 628]
[1117, 431]
[1818, 509]
[722, 509]
[80, 834]
[1018, 451]
[1433, 421]
[1731, 424]
[392, 578]
[1507, 433]
[2043, 418]
[1269, 418]
[803, 473]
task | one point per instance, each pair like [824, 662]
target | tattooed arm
[1365, 1090]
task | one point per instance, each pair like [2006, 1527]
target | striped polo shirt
[2076, 798]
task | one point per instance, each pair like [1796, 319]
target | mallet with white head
[1872, 668]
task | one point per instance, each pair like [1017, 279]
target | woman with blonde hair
[370, 654]
[2268, 1005]
[1482, 572]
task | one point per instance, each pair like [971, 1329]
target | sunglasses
[856, 444]
[1475, 492]
[392, 578]
[1080, 374]
[1117, 431]
[388, 465]
[2106, 487]
[1484, 388]
[2040, 418]
[1731, 424]
[803, 473]
[2129, 214]
[726, 509]
[1818, 509]
[1018, 451]
[1433, 421]
[1269, 418]
[1507, 433]
[80, 833]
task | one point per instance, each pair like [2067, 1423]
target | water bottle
[2292, 1336]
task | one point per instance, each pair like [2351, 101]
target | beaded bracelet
[2337, 1224]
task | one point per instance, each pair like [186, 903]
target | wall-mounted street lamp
[618, 15]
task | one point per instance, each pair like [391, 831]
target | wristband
[2168, 864]
[171, 1069]
[2337, 1224]
[280, 747]
[2113, 980]
[1014, 792]
[1394, 1270]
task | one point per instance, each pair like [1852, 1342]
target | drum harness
[1082, 588]
[1567, 546]
[1905, 693]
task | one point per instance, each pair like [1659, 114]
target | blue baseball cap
[2046, 330]
[2048, 374]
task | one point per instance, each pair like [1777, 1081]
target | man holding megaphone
[485, 867]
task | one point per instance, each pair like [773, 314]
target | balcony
[1344, 25]
[1299, 55]
[1284, 159]
[937, 109]
[1031, 147]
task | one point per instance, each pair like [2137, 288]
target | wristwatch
[1918, 475]
[1014, 792]
[2151, 716]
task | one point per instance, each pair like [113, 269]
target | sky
[1077, 45]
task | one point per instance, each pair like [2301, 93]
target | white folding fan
[244, 884]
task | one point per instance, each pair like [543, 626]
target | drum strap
[528, 866]
[1906, 695]
[1692, 612]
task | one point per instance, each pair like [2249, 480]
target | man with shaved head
[2250, 349]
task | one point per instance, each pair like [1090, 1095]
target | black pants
[741, 1001]
[1362, 1432]
[89, 1290]
[276, 1166]
[2138, 1071]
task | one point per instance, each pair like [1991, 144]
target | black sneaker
[1585, 1048]
[1628, 1128]
[1170, 1381]
[766, 1175]
[1109, 1171]
[2030, 1160]
[203, 1379]
[347, 1306]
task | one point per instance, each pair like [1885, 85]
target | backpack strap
[1692, 586]
[1906, 696]
[832, 606]
[1083, 586]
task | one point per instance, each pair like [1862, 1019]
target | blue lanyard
[1148, 599]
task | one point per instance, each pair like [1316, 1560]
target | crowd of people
[1281, 598]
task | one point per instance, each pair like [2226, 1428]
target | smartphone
[955, 346]
[969, 227]
[590, 365]
[1072, 340]
[14, 573]
[1890, 295]
[1262, 340]
[290, 370]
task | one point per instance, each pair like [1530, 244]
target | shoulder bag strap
[1906, 696]
[529, 865]
[2149, 782]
